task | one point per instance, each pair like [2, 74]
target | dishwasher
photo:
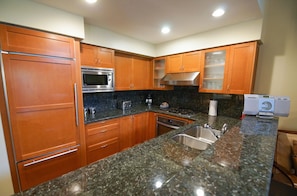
[166, 124]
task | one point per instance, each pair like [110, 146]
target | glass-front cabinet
[158, 72]
[214, 69]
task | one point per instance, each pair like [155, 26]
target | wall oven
[166, 124]
[97, 79]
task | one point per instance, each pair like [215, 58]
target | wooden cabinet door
[105, 58]
[95, 56]
[214, 69]
[141, 74]
[123, 72]
[151, 130]
[42, 104]
[17, 39]
[240, 77]
[174, 63]
[127, 136]
[191, 61]
[140, 124]
[88, 55]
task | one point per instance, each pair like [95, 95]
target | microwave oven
[97, 79]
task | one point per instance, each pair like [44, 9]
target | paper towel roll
[213, 104]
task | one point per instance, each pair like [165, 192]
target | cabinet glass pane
[214, 70]
[159, 72]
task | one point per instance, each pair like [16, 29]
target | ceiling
[143, 19]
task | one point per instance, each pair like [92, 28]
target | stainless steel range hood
[181, 79]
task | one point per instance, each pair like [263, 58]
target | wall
[5, 178]
[277, 64]
[109, 39]
[30, 14]
[247, 31]
[230, 106]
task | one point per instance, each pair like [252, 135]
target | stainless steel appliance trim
[76, 104]
[166, 125]
[8, 116]
[50, 157]
[37, 55]
[98, 88]
[172, 123]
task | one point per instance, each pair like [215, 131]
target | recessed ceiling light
[165, 30]
[91, 1]
[218, 12]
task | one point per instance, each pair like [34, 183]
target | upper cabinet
[214, 69]
[159, 69]
[229, 69]
[187, 62]
[96, 56]
[241, 70]
[132, 72]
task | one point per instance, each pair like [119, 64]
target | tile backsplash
[182, 97]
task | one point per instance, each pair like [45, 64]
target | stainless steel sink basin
[202, 134]
[190, 141]
[196, 137]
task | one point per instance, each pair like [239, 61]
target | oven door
[165, 125]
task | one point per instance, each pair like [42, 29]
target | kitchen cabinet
[102, 139]
[41, 82]
[132, 73]
[229, 69]
[186, 62]
[134, 130]
[159, 69]
[214, 69]
[241, 70]
[151, 131]
[95, 56]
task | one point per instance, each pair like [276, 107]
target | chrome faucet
[224, 128]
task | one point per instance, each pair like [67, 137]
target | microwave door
[95, 80]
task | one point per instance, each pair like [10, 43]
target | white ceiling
[143, 19]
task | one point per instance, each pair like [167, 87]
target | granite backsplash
[182, 97]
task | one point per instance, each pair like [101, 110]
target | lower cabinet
[133, 130]
[102, 139]
[35, 171]
[136, 129]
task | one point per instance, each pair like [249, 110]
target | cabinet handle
[50, 157]
[76, 104]
[103, 131]
[104, 146]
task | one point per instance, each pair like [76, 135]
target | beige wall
[6, 187]
[237, 33]
[30, 14]
[277, 65]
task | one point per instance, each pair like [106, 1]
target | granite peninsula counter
[239, 163]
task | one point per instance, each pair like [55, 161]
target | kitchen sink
[197, 137]
[191, 141]
[202, 134]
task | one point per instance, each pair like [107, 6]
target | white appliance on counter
[266, 106]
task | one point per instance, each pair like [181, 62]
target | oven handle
[166, 125]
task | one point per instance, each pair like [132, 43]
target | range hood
[181, 79]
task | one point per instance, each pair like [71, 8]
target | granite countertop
[239, 163]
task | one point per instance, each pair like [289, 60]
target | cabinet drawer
[36, 171]
[102, 149]
[102, 132]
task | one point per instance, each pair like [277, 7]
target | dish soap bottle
[149, 100]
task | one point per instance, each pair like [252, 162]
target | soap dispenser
[149, 100]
